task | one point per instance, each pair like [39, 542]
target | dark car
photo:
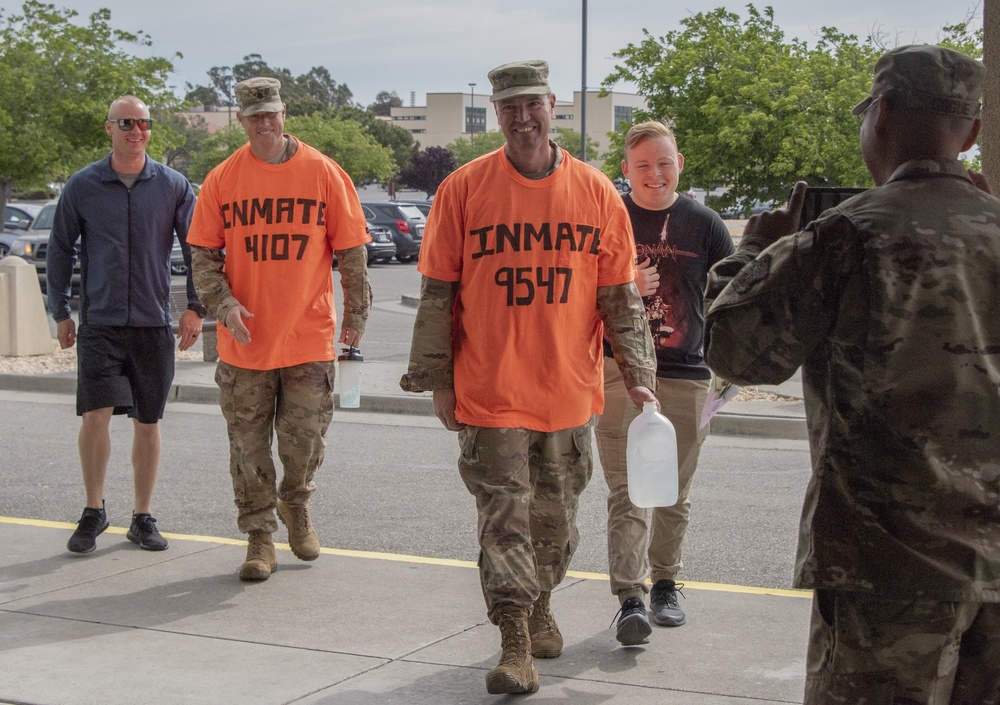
[177, 265]
[381, 248]
[405, 221]
[423, 206]
[34, 242]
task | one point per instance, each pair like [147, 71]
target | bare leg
[95, 450]
[146, 447]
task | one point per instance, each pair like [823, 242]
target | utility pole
[583, 89]
[991, 92]
[472, 111]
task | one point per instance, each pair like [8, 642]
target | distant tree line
[753, 111]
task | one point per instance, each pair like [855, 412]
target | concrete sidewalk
[124, 626]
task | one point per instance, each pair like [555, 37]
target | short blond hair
[647, 130]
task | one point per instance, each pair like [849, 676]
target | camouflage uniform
[526, 483]
[294, 403]
[887, 303]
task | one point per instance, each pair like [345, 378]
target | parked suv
[404, 220]
[34, 242]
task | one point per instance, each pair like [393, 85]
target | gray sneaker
[663, 603]
[143, 531]
[633, 624]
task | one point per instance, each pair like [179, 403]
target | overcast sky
[441, 46]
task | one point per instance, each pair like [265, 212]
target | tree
[569, 140]
[187, 135]
[214, 149]
[344, 141]
[429, 168]
[348, 144]
[57, 79]
[202, 95]
[384, 103]
[303, 95]
[753, 111]
[480, 143]
[396, 139]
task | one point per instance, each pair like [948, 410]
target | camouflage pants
[294, 403]
[644, 541]
[527, 486]
[867, 650]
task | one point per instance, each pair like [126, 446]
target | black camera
[820, 198]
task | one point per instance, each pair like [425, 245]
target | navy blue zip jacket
[125, 236]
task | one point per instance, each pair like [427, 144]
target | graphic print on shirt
[264, 246]
[667, 321]
[523, 286]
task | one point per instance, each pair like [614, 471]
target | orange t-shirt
[280, 224]
[529, 256]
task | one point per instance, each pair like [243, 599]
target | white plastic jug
[349, 372]
[651, 459]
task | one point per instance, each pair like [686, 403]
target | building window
[418, 131]
[623, 116]
[409, 117]
[475, 120]
[564, 117]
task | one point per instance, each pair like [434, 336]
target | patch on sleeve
[752, 274]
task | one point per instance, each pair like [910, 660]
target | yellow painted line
[403, 558]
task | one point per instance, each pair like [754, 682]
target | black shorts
[130, 369]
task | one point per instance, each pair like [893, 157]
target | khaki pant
[865, 649]
[294, 403]
[645, 542]
[527, 486]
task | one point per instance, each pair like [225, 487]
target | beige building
[450, 116]
[215, 119]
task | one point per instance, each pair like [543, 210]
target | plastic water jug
[651, 459]
[349, 372]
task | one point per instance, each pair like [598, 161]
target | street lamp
[472, 109]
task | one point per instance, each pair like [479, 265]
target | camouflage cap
[929, 78]
[258, 95]
[519, 78]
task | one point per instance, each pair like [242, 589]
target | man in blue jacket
[120, 214]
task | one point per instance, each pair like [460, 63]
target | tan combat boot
[546, 641]
[301, 534]
[515, 673]
[261, 561]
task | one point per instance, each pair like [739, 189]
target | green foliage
[344, 141]
[429, 168]
[752, 110]
[569, 140]
[57, 79]
[183, 138]
[480, 143]
[396, 139]
[214, 149]
[347, 143]
[961, 37]
[303, 95]
[385, 101]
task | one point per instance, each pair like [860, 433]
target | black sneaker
[143, 532]
[92, 524]
[633, 624]
[663, 603]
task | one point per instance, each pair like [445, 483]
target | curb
[723, 424]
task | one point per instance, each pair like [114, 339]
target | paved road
[389, 483]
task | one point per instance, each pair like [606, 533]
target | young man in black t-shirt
[677, 242]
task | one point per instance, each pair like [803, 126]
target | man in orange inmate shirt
[265, 228]
[526, 253]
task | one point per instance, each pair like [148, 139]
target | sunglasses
[126, 124]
